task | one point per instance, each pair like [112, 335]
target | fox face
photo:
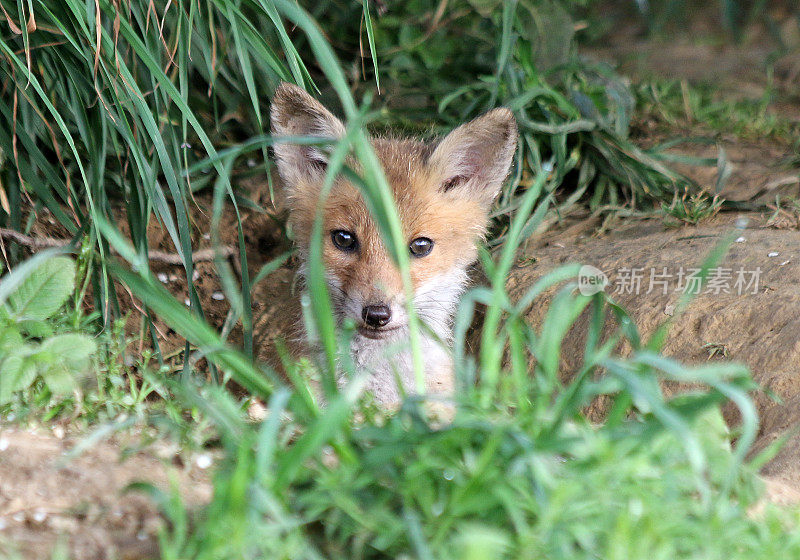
[443, 191]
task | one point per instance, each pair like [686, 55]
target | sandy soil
[48, 499]
[755, 323]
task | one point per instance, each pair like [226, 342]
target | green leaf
[10, 338]
[17, 371]
[72, 350]
[42, 293]
[58, 378]
[35, 329]
[62, 358]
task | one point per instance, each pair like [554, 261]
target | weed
[691, 208]
[716, 350]
[31, 347]
[785, 213]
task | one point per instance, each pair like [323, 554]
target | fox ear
[475, 158]
[295, 113]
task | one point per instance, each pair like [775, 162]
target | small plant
[716, 350]
[785, 213]
[30, 348]
[691, 209]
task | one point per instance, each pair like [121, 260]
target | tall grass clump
[106, 105]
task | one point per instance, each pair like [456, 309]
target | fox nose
[376, 316]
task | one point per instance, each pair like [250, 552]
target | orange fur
[453, 222]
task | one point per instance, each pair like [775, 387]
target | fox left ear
[476, 157]
[295, 113]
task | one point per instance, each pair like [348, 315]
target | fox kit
[443, 191]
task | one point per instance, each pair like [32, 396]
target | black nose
[376, 316]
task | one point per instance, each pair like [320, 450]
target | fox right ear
[295, 113]
[475, 158]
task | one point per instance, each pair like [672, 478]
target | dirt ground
[44, 500]
[48, 499]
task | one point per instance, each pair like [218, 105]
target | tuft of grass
[691, 208]
[120, 102]
[785, 213]
[716, 350]
[678, 104]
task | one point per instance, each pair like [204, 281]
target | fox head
[443, 191]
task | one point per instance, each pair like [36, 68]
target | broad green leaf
[58, 378]
[17, 371]
[35, 329]
[44, 291]
[63, 358]
[10, 339]
[72, 350]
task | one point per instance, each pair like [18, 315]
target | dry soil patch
[46, 500]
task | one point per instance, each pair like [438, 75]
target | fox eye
[420, 247]
[344, 240]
